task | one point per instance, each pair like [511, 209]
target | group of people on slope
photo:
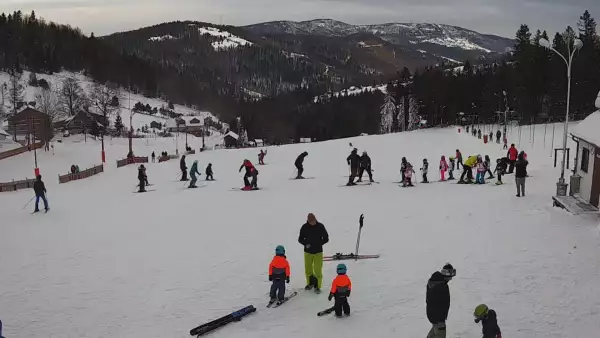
[477, 133]
[437, 299]
[358, 165]
[194, 173]
[313, 236]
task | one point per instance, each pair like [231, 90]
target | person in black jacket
[313, 236]
[183, 168]
[353, 161]
[142, 178]
[498, 136]
[299, 164]
[365, 165]
[209, 173]
[521, 174]
[40, 192]
[438, 300]
[489, 321]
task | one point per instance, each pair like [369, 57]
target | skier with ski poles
[313, 236]
[279, 274]
[299, 165]
[340, 291]
[183, 168]
[353, 161]
[193, 172]
[40, 193]
[438, 300]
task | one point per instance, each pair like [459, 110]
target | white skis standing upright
[360, 222]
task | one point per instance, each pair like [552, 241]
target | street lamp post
[561, 186]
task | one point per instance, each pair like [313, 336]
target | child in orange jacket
[279, 274]
[340, 290]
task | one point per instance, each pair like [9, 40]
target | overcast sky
[501, 17]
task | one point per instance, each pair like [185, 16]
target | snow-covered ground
[105, 262]
[228, 40]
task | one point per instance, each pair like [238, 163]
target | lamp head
[544, 43]
[577, 44]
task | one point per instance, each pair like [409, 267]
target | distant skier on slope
[209, 172]
[279, 274]
[250, 172]
[183, 168]
[365, 165]
[353, 161]
[261, 157]
[425, 170]
[39, 188]
[438, 300]
[193, 172]
[489, 321]
[340, 291]
[459, 159]
[299, 163]
[142, 178]
[498, 136]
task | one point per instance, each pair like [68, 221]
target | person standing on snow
[183, 168]
[512, 155]
[39, 188]
[142, 178]
[353, 161]
[521, 174]
[250, 172]
[480, 178]
[500, 169]
[489, 321]
[261, 157]
[438, 300]
[459, 159]
[498, 136]
[443, 168]
[340, 291]
[279, 274]
[193, 172]
[299, 165]
[451, 169]
[313, 236]
[365, 165]
[209, 173]
[479, 134]
[153, 157]
[425, 170]
[468, 170]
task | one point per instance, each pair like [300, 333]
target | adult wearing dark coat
[438, 300]
[313, 236]
[365, 165]
[299, 164]
[40, 193]
[183, 168]
[142, 178]
[521, 174]
[353, 161]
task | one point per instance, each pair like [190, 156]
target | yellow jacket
[471, 161]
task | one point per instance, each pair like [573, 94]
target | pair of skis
[220, 322]
[341, 256]
[274, 303]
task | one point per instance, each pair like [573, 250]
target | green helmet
[481, 311]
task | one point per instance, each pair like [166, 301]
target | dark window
[585, 159]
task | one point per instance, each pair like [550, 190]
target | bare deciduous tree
[72, 97]
[48, 103]
[105, 99]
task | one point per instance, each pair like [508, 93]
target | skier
[313, 236]
[403, 167]
[250, 172]
[491, 137]
[183, 168]
[299, 164]
[467, 129]
[512, 157]
[521, 174]
[365, 165]
[340, 290]
[489, 321]
[353, 161]
[498, 136]
[488, 169]
[40, 192]
[193, 172]
[408, 175]
[438, 300]
[279, 274]
[424, 170]
[451, 169]
[500, 169]
[142, 178]
[443, 168]
[505, 143]
[261, 157]
[468, 170]
[145, 176]
[479, 134]
[459, 159]
[480, 178]
[209, 173]
[153, 157]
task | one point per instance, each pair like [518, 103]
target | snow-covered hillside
[105, 262]
[227, 41]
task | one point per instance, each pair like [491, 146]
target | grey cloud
[501, 17]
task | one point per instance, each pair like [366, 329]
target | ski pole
[178, 176]
[28, 203]
[360, 222]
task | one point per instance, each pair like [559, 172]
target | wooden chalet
[30, 124]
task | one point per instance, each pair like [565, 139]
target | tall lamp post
[561, 186]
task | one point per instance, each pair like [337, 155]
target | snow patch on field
[162, 38]
[456, 43]
[227, 41]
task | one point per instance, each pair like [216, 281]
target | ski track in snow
[108, 263]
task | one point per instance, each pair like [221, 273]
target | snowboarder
[153, 157]
[468, 170]
[365, 165]
[142, 177]
[498, 136]
[261, 157]
[340, 291]
[279, 274]
[489, 321]
[313, 236]
[209, 173]
[443, 168]
[424, 170]
[500, 169]
[521, 174]
[353, 161]
[488, 169]
[480, 178]
[40, 193]
[459, 159]
[451, 169]
[250, 172]
[183, 168]
[438, 300]
[512, 157]
[299, 165]
[193, 172]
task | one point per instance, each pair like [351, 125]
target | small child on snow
[451, 169]
[279, 274]
[489, 321]
[487, 167]
[500, 170]
[480, 178]
[340, 290]
[209, 173]
[424, 170]
[443, 168]
[407, 174]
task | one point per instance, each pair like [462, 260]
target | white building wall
[586, 178]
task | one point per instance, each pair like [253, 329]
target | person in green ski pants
[313, 236]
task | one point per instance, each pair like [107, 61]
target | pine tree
[15, 90]
[388, 110]
[119, 124]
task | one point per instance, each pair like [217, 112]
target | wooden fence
[20, 150]
[167, 158]
[127, 161]
[17, 185]
[81, 175]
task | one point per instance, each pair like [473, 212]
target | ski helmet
[481, 311]
[448, 271]
[341, 269]
[280, 250]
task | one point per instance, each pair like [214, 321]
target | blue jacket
[194, 170]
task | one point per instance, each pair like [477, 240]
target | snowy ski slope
[105, 262]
